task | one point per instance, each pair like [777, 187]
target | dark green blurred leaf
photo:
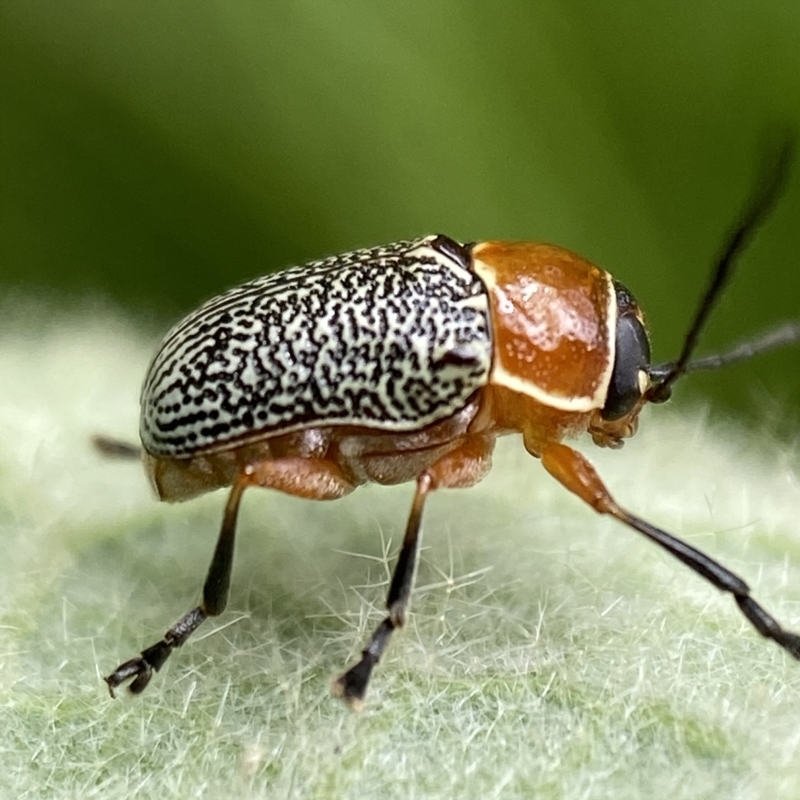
[158, 152]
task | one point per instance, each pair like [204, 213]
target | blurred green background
[157, 152]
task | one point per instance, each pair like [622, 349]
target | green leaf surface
[550, 653]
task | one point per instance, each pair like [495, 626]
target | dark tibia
[352, 685]
[722, 578]
[215, 598]
[579, 476]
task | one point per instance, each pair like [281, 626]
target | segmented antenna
[772, 339]
[768, 188]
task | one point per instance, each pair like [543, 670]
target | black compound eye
[632, 359]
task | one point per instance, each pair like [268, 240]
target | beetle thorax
[553, 319]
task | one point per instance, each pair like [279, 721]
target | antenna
[779, 336]
[771, 182]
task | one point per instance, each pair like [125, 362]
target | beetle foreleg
[579, 476]
[215, 598]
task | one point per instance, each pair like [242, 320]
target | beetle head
[634, 381]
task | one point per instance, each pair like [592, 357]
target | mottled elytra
[405, 363]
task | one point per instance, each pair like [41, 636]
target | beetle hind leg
[312, 478]
[109, 447]
[215, 598]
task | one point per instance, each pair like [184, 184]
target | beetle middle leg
[579, 476]
[304, 477]
[462, 467]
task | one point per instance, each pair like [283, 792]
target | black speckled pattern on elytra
[392, 338]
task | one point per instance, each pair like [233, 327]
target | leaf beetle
[405, 363]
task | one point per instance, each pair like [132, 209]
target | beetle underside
[453, 454]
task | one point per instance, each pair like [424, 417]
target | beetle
[405, 363]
